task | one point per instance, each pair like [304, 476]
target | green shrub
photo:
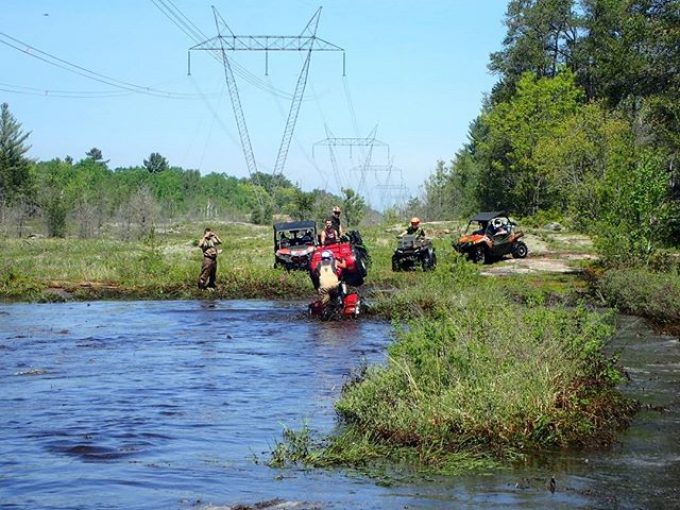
[643, 292]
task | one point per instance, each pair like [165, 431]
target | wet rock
[32, 371]
[273, 504]
[554, 226]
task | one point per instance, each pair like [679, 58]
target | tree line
[582, 126]
[86, 197]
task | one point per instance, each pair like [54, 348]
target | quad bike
[352, 250]
[414, 250]
[343, 305]
[495, 237]
[294, 244]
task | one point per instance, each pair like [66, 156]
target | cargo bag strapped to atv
[414, 250]
[294, 244]
[494, 237]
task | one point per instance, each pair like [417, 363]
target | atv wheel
[520, 250]
[361, 265]
[396, 267]
[479, 255]
[429, 261]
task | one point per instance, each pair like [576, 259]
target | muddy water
[151, 405]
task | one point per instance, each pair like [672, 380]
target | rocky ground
[549, 252]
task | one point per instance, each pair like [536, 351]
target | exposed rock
[273, 504]
[554, 226]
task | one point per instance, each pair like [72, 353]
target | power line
[73, 94]
[179, 19]
[61, 63]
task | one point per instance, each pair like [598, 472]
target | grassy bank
[649, 294]
[164, 265]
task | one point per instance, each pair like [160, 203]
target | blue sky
[415, 69]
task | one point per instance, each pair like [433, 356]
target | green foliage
[488, 374]
[14, 165]
[643, 292]
[353, 207]
[540, 38]
[516, 128]
[156, 163]
[637, 213]
[95, 155]
[302, 205]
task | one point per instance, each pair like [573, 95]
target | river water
[175, 404]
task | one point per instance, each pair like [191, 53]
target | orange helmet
[415, 221]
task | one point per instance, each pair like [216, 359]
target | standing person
[413, 228]
[329, 234]
[336, 220]
[208, 244]
[327, 271]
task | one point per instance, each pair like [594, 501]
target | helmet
[326, 254]
[415, 221]
[336, 209]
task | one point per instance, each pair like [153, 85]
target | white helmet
[326, 255]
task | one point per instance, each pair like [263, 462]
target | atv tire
[520, 250]
[429, 261]
[479, 256]
[396, 267]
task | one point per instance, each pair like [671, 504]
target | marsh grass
[164, 265]
[639, 291]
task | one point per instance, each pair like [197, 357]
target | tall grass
[654, 295]
[491, 376]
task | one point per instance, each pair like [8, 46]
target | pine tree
[156, 163]
[14, 165]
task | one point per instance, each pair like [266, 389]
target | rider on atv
[328, 272]
[329, 234]
[414, 229]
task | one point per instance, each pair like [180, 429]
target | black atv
[414, 250]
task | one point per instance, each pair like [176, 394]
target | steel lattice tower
[225, 41]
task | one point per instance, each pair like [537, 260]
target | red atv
[351, 249]
[294, 244]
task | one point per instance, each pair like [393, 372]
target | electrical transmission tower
[227, 41]
[368, 143]
[384, 179]
[394, 194]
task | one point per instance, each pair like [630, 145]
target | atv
[496, 236]
[343, 305]
[414, 250]
[352, 250]
[294, 244]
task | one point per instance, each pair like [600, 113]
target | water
[162, 405]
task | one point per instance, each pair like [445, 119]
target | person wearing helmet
[327, 272]
[329, 234]
[497, 228]
[335, 218]
[414, 228]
